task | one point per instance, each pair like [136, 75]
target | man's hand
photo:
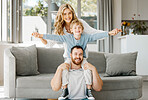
[115, 31]
[37, 35]
[89, 66]
[64, 66]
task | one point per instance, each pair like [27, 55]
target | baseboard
[145, 78]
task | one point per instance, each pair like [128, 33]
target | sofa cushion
[98, 60]
[26, 60]
[49, 59]
[121, 82]
[109, 83]
[121, 64]
[38, 81]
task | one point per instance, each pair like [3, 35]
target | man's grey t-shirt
[76, 86]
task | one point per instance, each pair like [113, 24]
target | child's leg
[65, 74]
[87, 74]
[64, 78]
[88, 78]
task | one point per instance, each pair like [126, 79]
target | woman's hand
[115, 31]
[37, 35]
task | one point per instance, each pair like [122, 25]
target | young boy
[77, 38]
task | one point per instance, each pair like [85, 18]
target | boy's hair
[77, 22]
[77, 46]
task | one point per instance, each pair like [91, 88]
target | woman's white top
[87, 30]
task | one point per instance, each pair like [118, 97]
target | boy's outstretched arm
[35, 34]
[60, 38]
[93, 37]
[114, 31]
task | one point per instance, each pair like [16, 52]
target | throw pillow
[121, 64]
[26, 60]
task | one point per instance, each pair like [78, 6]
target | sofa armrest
[9, 73]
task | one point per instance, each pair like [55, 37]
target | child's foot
[89, 95]
[64, 94]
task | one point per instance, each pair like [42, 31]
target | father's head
[77, 55]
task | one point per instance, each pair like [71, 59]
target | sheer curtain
[105, 22]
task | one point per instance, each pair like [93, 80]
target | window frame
[0, 20]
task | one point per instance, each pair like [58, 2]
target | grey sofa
[114, 88]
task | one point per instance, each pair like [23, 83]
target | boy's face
[77, 29]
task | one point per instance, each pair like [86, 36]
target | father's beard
[77, 61]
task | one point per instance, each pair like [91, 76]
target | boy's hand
[37, 35]
[115, 31]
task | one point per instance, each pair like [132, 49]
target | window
[0, 20]
[9, 21]
[73, 3]
[89, 12]
[5, 20]
[34, 18]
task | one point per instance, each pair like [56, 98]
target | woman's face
[67, 15]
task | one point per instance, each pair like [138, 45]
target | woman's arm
[88, 29]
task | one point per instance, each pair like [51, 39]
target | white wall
[29, 23]
[117, 15]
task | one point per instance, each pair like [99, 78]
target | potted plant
[138, 26]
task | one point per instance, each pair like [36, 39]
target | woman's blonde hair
[59, 23]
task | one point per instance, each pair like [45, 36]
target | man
[76, 86]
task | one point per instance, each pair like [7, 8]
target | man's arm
[56, 81]
[97, 82]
